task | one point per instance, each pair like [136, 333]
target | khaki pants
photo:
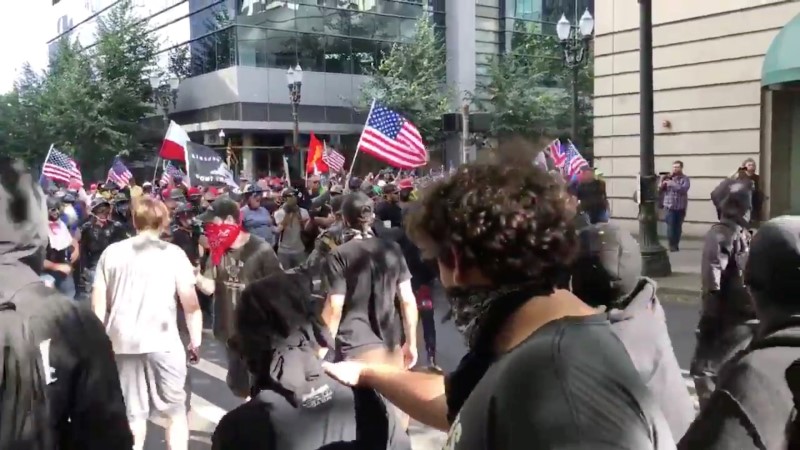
[391, 357]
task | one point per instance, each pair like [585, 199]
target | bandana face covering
[480, 313]
[220, 238]
[468, 305]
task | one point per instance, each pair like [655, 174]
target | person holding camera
[674, 187]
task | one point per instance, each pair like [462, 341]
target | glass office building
[330, 36]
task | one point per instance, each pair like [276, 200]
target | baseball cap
[608, 265]
[406, 183]
[774, 261]
[222, 207]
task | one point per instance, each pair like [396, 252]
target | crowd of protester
[315, 290]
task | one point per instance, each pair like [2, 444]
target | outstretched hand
[347, 372]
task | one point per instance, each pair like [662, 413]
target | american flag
[118, 173]
[333, 159]
[567, 158]
[60, 167]
[393, 139]
[170, 172]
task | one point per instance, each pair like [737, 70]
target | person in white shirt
[134, 293]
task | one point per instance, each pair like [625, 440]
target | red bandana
[220, 238]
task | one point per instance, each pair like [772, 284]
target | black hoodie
[82, 388]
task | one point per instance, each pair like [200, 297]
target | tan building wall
[707, 58]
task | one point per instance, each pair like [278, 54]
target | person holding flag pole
[41, 172]
[358, 147]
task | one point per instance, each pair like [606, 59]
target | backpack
[24, 414]
[793, 381]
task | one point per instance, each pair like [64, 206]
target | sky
[24, 30]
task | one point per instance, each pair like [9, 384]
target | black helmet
[358, 210]
[69, 198]
[121, 197]
[109, 186]
[53, 203]
[184, 208]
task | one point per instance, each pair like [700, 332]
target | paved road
[212, 398]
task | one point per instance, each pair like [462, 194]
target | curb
[681, 291]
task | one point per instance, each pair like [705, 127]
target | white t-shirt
[140, 276]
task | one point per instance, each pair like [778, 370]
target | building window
[335, 36]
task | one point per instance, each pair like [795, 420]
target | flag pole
[47, 157]
[358, 147]
[155, 170]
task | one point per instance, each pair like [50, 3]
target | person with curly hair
[543, 370]
[295, 404]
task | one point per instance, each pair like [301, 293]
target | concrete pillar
[248, 162]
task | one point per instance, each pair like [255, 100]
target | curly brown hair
[511, 221]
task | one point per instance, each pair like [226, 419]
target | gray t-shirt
[291, 238]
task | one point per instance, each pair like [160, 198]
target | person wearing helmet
[61, 253]
[96, 234]
[185, 232]
[174, 197]
[122, 213]
[291, 220]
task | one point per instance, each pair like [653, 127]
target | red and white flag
[392, 138]
[174, 145]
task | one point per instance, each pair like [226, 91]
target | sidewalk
[685, 278]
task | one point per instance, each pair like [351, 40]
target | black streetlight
[294, 79]
[654, 256]
[575, 43]
[165, 95]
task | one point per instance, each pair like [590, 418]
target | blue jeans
[64, 284]
[674, 219]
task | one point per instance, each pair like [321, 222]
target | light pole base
[655, 261]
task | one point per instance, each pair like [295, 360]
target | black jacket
[752, 406]
[82, 386]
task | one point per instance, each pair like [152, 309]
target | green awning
[782, 61]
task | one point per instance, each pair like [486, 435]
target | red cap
[405, 183]
[93, 186]
[213, 192]
[194, 191]
[165, 193]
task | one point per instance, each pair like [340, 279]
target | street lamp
[655, 261]
[294, 80]
[575, 44]
[165, 94]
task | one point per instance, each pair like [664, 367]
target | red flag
[174, 146]
[314, 161]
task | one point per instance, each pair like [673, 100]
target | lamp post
[294, 79]
[575, 44]
[655, 261]
[165, 94]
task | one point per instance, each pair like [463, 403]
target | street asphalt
[212, 399]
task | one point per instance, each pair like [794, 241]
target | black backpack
[24, 417]
[793, 381]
